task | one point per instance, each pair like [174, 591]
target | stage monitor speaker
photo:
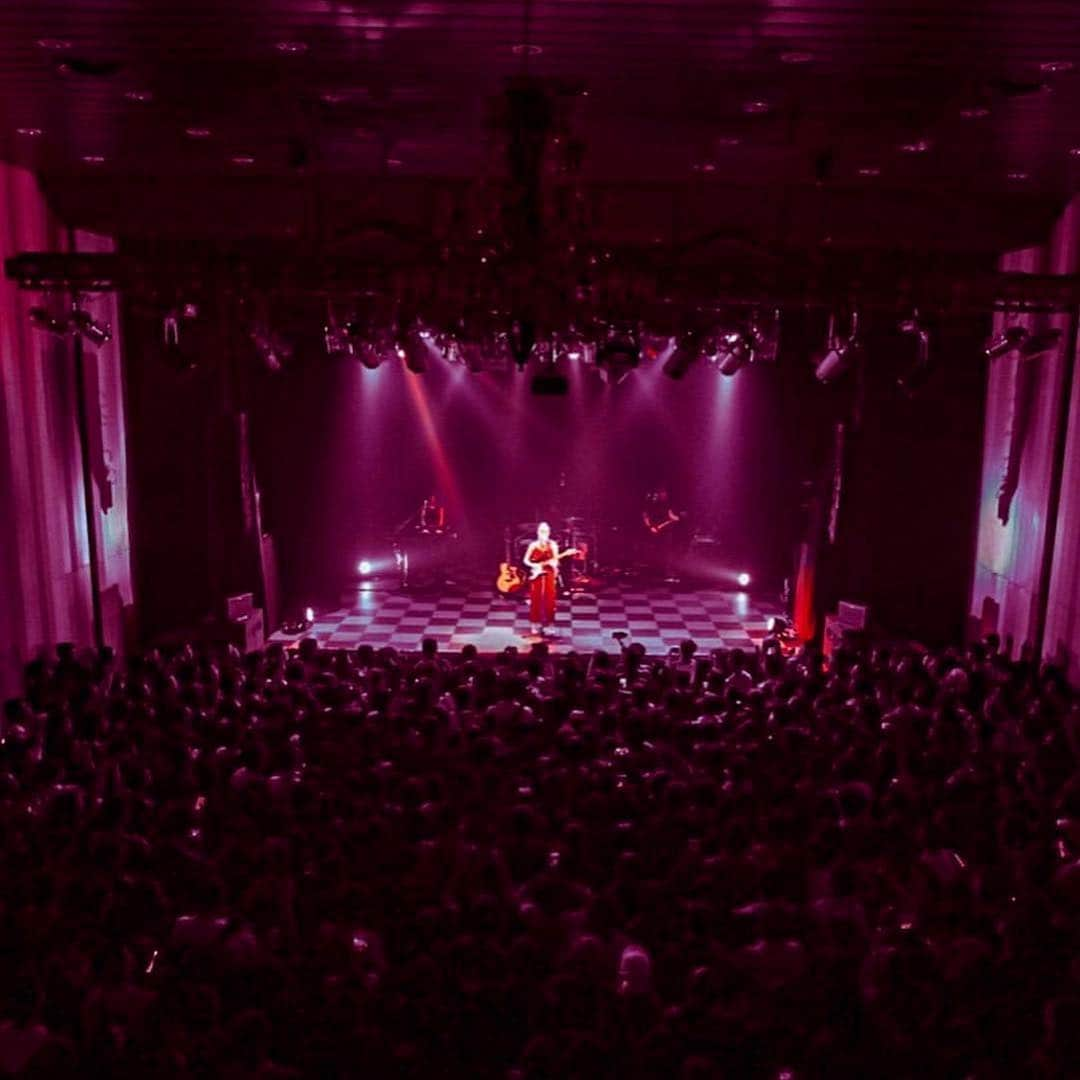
[852, 616]
[239, 606]
[247, 633]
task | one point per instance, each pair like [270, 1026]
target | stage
[656, 617]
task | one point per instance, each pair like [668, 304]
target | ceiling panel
[978, 98]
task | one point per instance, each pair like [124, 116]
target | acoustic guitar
[510, 579]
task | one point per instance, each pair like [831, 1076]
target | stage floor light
[743, 579]
[364, 567]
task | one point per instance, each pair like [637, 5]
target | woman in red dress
[543, 552]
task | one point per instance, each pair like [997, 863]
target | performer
[658, 515]
[432, 515]
[661, 520]
[542, 555]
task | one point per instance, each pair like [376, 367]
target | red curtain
[45, 592]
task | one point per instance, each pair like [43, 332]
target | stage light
[682, 358]
[763, 333]
[618, 355]
[521, 340]
[839, 354]
[743, 579]
[917, 373]
[1009, 340]
[270, 348]
[369, 354]
[570, 346]
[1040, 342]
[95, 331]
[174, 353]
[368, 347]
[414, 351]
[43, 319]
[734, 350]
[364, 567]
[450, 348]
[655, 345]
[339, 345]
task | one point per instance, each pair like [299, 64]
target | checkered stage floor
[658, 618]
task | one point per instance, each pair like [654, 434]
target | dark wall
[907, 527]
[192, 540]
[168, 462]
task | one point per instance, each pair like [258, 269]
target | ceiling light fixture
[526, 49]
[734, 350]
[53, 44]
[292, 48]
[917, 146]
[369, 354]
[683, 357]
[795, 56]
[43, 319]
[141, 96]
[29, 132]
[974, 112]
[763, 335]
[839, 353]
[1040, 342]
[414, 350]
[756, 107]
[95, 331]
[198, 132]
[618, 354]
[869, 170]
[242, 159]
[337, 340]
[272, 350]
[93, 159]
[178, 358]
[1008, 340]
[916, 374]
[1056, 67]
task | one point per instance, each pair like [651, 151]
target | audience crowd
[364, 864]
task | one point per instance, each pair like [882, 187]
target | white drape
[44, 554]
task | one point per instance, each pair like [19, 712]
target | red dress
[542, 587]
